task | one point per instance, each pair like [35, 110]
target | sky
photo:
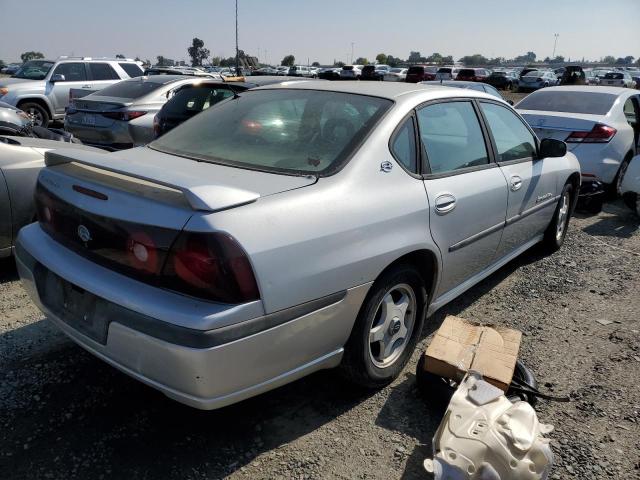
[321, 30]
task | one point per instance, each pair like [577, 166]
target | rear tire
[620, 175]
[377, 351]
[557, 229]
[37, 112]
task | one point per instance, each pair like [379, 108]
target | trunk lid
[558, 125]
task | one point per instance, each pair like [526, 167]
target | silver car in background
[395, 75]
[536, 80]
[293, 228]
[121, 116]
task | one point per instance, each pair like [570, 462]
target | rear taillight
[124, 116]
[599, 134]
[211, 265]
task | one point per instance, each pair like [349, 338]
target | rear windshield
[191, 100]
[614, 76]
[347, 67]
[289, 131]
[415, 70]
[130, 89]
[445, 70]
[467, 71]
[594, 103]
[369, 68]
[132, 69]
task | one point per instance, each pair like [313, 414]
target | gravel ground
[66, 415]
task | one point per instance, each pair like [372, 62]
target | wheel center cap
[394, 327]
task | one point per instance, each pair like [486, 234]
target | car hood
[5, 82]
[206, 186]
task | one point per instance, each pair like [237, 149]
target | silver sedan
[121, 115]
[294, 228]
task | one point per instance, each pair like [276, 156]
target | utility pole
[555, 44]
[237, 50]
[351, 53]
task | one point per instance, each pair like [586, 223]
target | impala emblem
[386, 166]
[84, 233]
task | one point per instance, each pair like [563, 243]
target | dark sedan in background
[504, 80]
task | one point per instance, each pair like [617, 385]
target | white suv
[41, 87]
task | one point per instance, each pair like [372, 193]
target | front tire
[557, 229]
[387, 328]
[37, 112]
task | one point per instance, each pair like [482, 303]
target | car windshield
[283, 130]
[34, 70]
[595, 103]
[444, 70]
[534, 73]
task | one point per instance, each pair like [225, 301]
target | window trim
[424, 161]
[492, 139]
[396, 131]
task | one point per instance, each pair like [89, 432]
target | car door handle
[516, 183]
[445, 203]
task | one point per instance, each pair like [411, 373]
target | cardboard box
[460, 345]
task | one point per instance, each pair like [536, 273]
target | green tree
[197, 52]
[529, 57]
[435, 58]
[609, 60]
[164, 61]
[629, 59]
[473, 60]
[338, 64]
[448, 60]
[26, 56]
[362, 61]
[2, 64]
[393, 61]
[415, 57]
[119, 55]
[215, 60]
[315, 64]
[288, 61]
[381, 58]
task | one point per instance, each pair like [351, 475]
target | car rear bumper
[119, 135]
[205, 369]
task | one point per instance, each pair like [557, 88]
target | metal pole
[555, 44]
[351, 53]
[237, 50]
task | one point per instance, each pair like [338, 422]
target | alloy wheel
[36, 116]
[392, 325]
[563, 216]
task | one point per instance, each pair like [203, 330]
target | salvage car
[601, 125]
[13, 121]
[618, 79]
[506, 80]
[420, 73]
[21, 159]
[630, 185]
[374, 72]
[251, 245]
[121, 116]
[395, 74]
[535, 80]
[41, 87]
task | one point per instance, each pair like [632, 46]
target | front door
[467, 192]
[532, 181]
[75, 76]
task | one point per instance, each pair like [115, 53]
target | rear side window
[132, 69]
[452, 136]
[415, 71]
[130, 89]
[103, 71]
[513, 139]
[73, 72]
[403, 146]
[595, 103]
[467, 72]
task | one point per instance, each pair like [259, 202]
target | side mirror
[57, 78]
[551, 148]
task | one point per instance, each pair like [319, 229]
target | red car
[421, 73]
[473, 75]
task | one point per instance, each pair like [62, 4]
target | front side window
[629, 111]
[513, 139]
[132, 69]
[403, 146]
[103, 71]
[73, 72]
[452, 137]
[287, 130]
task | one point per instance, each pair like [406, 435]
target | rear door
[532, 181]
[102, 75]
[467, 191]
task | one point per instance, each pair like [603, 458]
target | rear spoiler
[201, 197]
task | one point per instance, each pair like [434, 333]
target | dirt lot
[65, 414]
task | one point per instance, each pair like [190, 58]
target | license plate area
[88, 119]
[73, 305]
